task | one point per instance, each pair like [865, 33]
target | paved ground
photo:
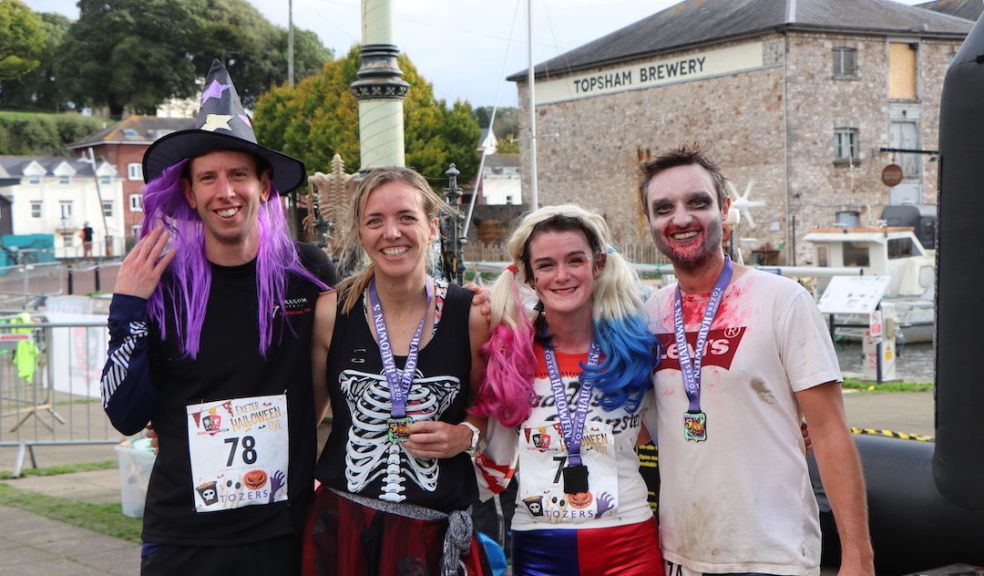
[31, 544]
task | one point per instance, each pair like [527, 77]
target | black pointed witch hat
[222, 124]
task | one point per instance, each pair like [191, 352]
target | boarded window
[902, 70]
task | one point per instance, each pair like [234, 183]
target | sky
[465, 48]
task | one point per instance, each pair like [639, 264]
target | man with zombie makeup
[210, 337]
[746, 356]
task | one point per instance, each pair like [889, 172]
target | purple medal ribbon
[572, 428]
[399, 387]
[695, 420]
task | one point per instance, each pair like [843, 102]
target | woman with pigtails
[566, 393]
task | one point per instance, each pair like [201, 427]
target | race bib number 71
[239, 452]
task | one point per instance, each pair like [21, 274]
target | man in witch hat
[210, 328]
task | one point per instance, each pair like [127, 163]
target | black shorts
[275, 556]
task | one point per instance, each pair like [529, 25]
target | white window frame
[134, 171]
[65, 208]
[846, 145]
[37, 209]
[107, 207]
[105, 179]
[136, 202]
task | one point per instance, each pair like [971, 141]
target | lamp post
[452, 224]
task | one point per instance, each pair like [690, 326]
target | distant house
[58, 195]
[501, 182]
[123, 145]
[489, 143]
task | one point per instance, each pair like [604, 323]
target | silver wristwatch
[476, 436]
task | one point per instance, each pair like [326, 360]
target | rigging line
[495, 109]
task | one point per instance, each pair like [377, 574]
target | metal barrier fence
[49, 383]
[25, 285]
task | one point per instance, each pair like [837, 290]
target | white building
[58, 195]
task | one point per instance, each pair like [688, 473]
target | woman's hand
[429, 439]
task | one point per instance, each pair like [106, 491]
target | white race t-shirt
[617, 494]
[742, 501]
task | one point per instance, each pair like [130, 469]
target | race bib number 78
[239, 452]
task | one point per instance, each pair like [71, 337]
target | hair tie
[512, 268]
[611, 249]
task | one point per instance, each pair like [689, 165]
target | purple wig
[183, 294]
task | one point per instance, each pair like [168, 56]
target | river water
[915, 362]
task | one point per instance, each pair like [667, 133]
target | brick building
[794, 98]
[123, 145]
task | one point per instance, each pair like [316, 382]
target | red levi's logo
[718, 351]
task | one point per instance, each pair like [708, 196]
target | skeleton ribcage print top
[358, 458]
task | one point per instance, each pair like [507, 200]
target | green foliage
[38, 90]
[43, 134]
[868, 386]
[506, 128]
[129, 53]
[134, 54]
[319, 118]
[21, 39]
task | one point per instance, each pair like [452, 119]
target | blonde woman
[396, 354]
[566, 393]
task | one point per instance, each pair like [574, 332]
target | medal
[572, 426]
[694, 419]
[398, 424]
[695, 426]
[398, 430]
[575, 479]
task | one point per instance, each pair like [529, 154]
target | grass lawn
[102, 518]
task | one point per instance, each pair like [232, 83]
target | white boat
[892, 251]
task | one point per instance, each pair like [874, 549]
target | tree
[21, 39]
[254, 50]
[134, 54]
[38, 89]
[320, 117]
[129, 53]
[506, 127]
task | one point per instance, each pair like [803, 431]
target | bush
[25, 134]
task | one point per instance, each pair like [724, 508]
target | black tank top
[357, 457]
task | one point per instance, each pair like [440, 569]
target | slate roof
[502, 161]
[142, 130]
[701, 22]
[13, 166]
[969, 9]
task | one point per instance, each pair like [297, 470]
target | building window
[66, 208]
[36, 209]
[135, 231]
[845, 145]
[902, 70]
[108, 209]
[106, 179]
[136, 202]
[34, 179]
[64, 180]
[134, 171]
[68, 241]
[845, 63]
